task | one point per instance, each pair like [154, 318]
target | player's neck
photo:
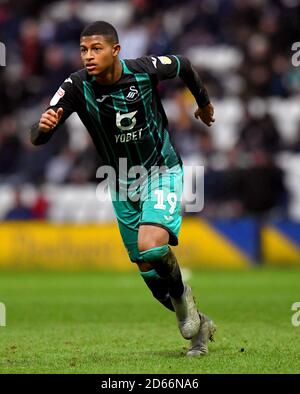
[112, 75]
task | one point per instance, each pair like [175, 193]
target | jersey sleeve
[171, 66]
[161, 67]
[64, 98]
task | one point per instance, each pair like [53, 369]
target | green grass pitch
[96, 322]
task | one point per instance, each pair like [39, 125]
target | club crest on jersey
[133, 94]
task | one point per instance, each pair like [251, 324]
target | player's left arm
[190, 77]
[171, 66]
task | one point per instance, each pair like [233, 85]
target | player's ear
[116, 49]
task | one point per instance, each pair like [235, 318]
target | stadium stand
[242, 50]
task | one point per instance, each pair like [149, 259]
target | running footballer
[118, 103]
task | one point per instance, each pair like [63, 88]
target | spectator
[19, 211]
[44, 50]
[259, 134]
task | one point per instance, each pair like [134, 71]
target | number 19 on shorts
[171, 199]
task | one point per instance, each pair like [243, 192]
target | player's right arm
[61, 107]
[171, 66]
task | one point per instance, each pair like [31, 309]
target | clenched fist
[206, 114]
[50, 119]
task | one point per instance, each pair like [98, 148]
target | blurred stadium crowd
[242, 50]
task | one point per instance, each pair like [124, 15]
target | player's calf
[158, 287]
[166, 265]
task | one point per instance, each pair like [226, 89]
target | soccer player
[117, 101]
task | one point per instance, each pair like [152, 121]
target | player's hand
[50, 119]
[206, 114]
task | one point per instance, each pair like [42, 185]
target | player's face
[97, 53]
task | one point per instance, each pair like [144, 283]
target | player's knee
[150, 243]
[151, 237]
[154, 254]
[147, 245]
